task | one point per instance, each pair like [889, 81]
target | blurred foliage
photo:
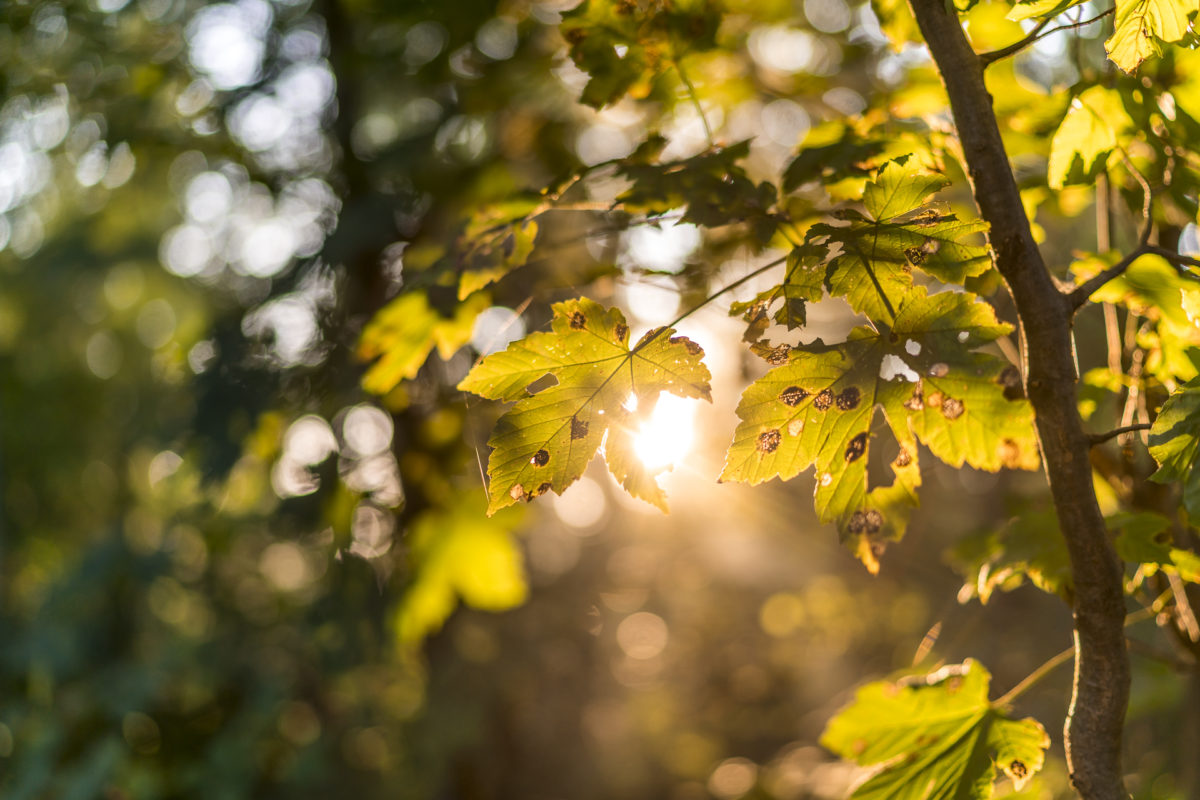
[227, 572]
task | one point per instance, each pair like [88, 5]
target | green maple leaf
[1088, 134]
[817, 406]
[544, 442]
[1175, 444]
[935, 737]
[1143, 537]
[802, 283]
[459, 553]
[1141, 26]
[405, 331]
[879, 251]
[1029, 547]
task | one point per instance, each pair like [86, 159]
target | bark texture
[1101, 685]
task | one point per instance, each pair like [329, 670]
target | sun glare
[666, 438]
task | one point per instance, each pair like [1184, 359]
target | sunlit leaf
[544, 442]
[624, 47]
[817, 407]
[1175, 444]
[1142, 26]
[879, 251]
[495, 254]
[1088, 134]
[406, 330]
[459, 554]
[935, 737]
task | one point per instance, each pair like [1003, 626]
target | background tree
[227, 572]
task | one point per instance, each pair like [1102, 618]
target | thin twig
[1029, 680]
[691, 89]
[1100, 438]
[1080, 294]
[1035, 35]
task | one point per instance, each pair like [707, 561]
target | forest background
[240, 559]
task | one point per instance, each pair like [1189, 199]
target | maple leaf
[817, 407]
[544, 442]
[935, 737]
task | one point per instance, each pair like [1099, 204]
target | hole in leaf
[516, 492]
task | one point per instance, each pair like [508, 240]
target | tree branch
[1100, 438]
[1101, 683]
[1034, 36]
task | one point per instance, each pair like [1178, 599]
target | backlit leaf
[459, 553]
[1088, 134]
[544, 442]
[1030, 547]
[1175, 444]
[935, 737]
[817, 408]
[879, 251]
[406, 330]
[1142, 26]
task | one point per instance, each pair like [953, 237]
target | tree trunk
[1101, 685]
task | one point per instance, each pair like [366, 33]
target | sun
[666, 438]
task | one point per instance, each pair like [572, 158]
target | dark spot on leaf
[578, 320]
[579, 428]
[545, 487]
[793, 396]
[904, 459]
[1010, 379]
[823, 400]
[874, 522]
[575, 35]
[848, 399]
[691, 346]
[857, 446]
[952, 408]
[768, 441]
[917, 401]
[915, 254]
[508, 245]
[1018, 769]
[622, 330]
[540, 459]
[954, 684]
